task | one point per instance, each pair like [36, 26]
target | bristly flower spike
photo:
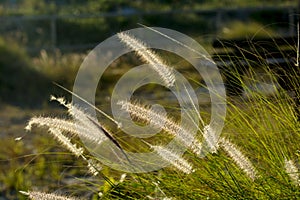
[292, 171]
[168, 125]
[238, 157]
[174, 159]
[35, 195]
[164, 71]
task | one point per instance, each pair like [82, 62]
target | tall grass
[256, 157]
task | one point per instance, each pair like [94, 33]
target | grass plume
[69, 127]
[238, 157]
[168, 125]
[147, 55]
[174, 159]
[292, 171]
[36, 195]
[265, 122]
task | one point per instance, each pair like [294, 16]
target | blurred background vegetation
[51, 37]
[25, 7]
[45, 41]
[79, 25]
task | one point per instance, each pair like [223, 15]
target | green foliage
[265, 129]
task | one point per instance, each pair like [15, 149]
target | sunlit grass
[264, 128]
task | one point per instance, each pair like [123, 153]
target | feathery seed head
[60, 100]
[174, 159]
[292, 171]
[122, 178]
[69, 127]
[34, 195]
[164, 71]
[142, 113]
[66, 142]
[210, 139]
[148, 115]
[238, 157]
[94, 167]
[28, 126]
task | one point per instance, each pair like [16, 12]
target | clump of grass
[84, 127]
[261, 132]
